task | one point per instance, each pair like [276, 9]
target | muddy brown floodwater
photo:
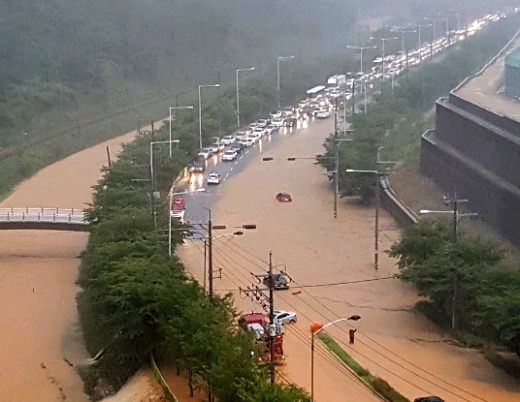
[38, 269]
[392, 341]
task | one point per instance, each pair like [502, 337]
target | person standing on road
[351, 333]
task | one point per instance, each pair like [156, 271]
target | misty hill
[55, 51]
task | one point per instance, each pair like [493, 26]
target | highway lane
[255, 196]
[197, 202]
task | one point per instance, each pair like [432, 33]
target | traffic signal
[249, 227]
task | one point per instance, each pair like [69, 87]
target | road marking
[241, 157]
[232, 167]
[227, 174]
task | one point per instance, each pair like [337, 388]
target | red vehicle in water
[178, 208]
[259, 324]
[284, 197]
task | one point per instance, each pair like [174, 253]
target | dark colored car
[237, 147]
[428, 399]
[280, 282]
[284, 197]
[197, 166]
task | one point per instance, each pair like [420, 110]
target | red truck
[259, 324]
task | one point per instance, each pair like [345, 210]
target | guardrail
[68, 219]
[396, 207]
[170, 396]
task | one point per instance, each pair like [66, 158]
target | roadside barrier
[396, 207]
[170, 396]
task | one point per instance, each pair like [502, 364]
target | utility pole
[455, 259]
[272, 328]
[257, 295]
[336, 159]
[210, 257]
[454, 201]
[108, 157]
[205, 263]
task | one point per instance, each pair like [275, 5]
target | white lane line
[232, 167]
[227, 174]
[241, 157]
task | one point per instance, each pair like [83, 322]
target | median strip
[376, 384]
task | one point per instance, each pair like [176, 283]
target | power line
[382, 355]
[386, 357]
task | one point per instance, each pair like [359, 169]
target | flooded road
[330, 262]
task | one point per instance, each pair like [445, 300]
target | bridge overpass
[27, 218]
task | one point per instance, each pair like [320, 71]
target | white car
[276, 114]
[278, 122]
[271, 128]
[247, 142]
[214, 148]
[205, 153]
[179, 214]
[284, 317]
[258, 132]
[220, 146]
[228, 140]
[213, 178]
[256, 136]
[262, 123]
[257, 329]
[242, 134]
[229, 155]
[323, 113]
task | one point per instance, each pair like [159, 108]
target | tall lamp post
[403, 33]
[457, 216]
[383, 40]
[316, 328]
[361, 50]
[200, 109]
[278, 60]
[170, 111]
[152, 169]
[238, 93]
[378, 205]
[419, 39]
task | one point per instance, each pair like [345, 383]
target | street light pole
[200, 109]
[420, 43]
[383, 40]
[377, 207]
[170, 110]
[456, 219]
[316, 328]
[361, 49]
[238, 93]
[403, 32]
[280, 58]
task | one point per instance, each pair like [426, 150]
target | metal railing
[47, 215]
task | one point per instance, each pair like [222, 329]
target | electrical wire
[386, 357]
[230, 262]
[324, 354]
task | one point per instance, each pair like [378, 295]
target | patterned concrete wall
[478, 160]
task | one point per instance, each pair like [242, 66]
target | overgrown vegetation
[463, 282]
[379, 385]
[396, 119]
[136, 300]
